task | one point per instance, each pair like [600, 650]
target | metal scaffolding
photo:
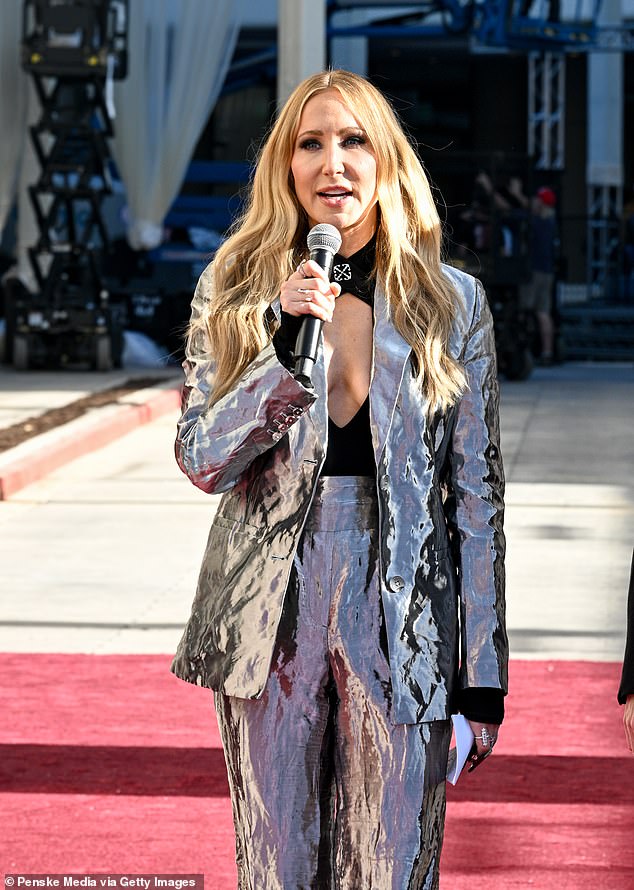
[604, 255]
[546, 109]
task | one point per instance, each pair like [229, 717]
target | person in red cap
[536, 295]
[547, 196]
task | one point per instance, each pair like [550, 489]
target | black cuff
[285, 338]
[483, 704]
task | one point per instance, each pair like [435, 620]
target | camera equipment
[72, 49]
[75, 38]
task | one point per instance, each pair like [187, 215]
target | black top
[350, 451]
[627, 678]
[483, 704]
[354, 273]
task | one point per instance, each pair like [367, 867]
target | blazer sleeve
[627, 677]
[478, 486]
[216, 442]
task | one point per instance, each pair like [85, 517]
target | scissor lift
[72, 51]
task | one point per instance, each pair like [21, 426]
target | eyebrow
[339, 132]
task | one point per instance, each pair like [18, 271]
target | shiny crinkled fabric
[327, 792]
[440, 487]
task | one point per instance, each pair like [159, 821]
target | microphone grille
[324, 236]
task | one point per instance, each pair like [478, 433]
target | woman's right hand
[308, 292]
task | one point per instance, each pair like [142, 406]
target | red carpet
[110, 764]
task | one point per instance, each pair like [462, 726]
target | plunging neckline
[350, 450]
[354, 416]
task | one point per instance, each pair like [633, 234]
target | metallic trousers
[328, 793]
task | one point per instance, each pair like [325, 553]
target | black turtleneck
[355, 273]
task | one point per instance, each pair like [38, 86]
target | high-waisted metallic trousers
[327, 793]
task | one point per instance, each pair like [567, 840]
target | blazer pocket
[236, 526]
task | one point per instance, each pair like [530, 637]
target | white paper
[464, 740]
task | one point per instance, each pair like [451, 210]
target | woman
[360, 517]
[626, 689]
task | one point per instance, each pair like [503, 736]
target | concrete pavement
[110, 405]
[102, 555]
[23, 395]
[568, 443]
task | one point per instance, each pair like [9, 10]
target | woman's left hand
[486, 735]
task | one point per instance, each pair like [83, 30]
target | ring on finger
[485, 738]
[304, 290]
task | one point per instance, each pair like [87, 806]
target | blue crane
[549, 25]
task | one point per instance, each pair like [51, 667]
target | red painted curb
[23, 471]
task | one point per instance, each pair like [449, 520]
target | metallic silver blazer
[440, 487]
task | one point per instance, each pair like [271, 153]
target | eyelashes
[313, 144]
[356, 140]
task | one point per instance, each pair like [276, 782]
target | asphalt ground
[101, 555]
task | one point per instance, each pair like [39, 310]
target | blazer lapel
[389, 359]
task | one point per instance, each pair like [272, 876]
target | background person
[326, 616]
[626, 689]
[537, 295]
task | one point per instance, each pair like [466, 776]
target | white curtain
[13, 88]
[179, 53]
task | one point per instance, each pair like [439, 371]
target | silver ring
[304, 290]
[300, 268]
[485, 738]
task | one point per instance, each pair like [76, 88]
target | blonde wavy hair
[269, 239]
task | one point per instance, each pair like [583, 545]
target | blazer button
[384, 482]
[395, 583]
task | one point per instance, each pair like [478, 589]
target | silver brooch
[342, 272]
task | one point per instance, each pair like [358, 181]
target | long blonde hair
[269, 240]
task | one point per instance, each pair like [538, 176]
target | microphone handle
[308, 338]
